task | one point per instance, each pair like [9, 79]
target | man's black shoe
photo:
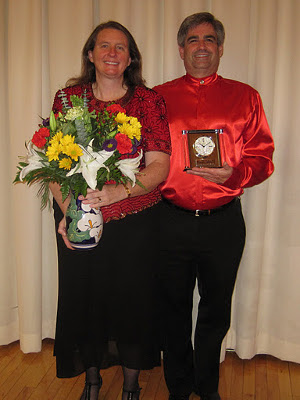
[179, 397]
[211, 396]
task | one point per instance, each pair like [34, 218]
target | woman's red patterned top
[149, 108]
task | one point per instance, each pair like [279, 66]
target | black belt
[197, 213]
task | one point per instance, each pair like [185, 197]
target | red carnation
[38, 140]
[44, 132]
[115, 109]
[124, 144]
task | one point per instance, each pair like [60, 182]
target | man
[202, 226]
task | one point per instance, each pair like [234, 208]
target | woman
[106, 305]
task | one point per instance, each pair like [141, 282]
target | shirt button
[201, 82]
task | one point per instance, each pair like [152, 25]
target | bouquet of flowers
[80, 149]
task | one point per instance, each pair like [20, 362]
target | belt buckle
[201, 212]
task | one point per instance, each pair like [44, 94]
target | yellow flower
[53, 151]
[128, 130]
[137, 132]
[135, 122]
[65, 141]
[73, 151]
[131, 130]
[121, 118]
[65, 163]
[56, 138]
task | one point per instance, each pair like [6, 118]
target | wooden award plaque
[202, 148]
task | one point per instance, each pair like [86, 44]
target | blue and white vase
[84, 225]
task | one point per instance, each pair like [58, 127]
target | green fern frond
[64, 99]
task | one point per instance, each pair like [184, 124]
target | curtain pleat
[40, 48]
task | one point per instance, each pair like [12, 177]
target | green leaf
[76, 101]
[140, 184]
[44, 192]
[65, 190]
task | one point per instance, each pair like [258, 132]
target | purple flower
[110, 145]
[137, 142]
[46, 122]
[134, 149]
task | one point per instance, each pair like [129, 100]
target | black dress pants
[206, 249]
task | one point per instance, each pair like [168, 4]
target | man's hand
[216, 175]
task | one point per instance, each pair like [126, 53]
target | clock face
[204, 146]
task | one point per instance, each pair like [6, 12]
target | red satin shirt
[216, 103]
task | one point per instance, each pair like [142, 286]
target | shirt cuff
[234, 182]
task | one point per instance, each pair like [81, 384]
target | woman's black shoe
[91, 390]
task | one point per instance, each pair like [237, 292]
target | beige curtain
[40, 45]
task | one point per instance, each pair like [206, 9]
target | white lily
[89, 164]
[90, 222]
[34, 161]
[129, 167]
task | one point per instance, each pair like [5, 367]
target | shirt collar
[202, 81]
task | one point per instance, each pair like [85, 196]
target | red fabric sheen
[213, 103]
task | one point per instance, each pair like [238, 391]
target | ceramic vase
[84, 224]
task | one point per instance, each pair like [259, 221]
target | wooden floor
[32, 376]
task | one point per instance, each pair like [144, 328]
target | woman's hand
[108, 195]
[156, 171]
[55, 189]
[63, 231]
